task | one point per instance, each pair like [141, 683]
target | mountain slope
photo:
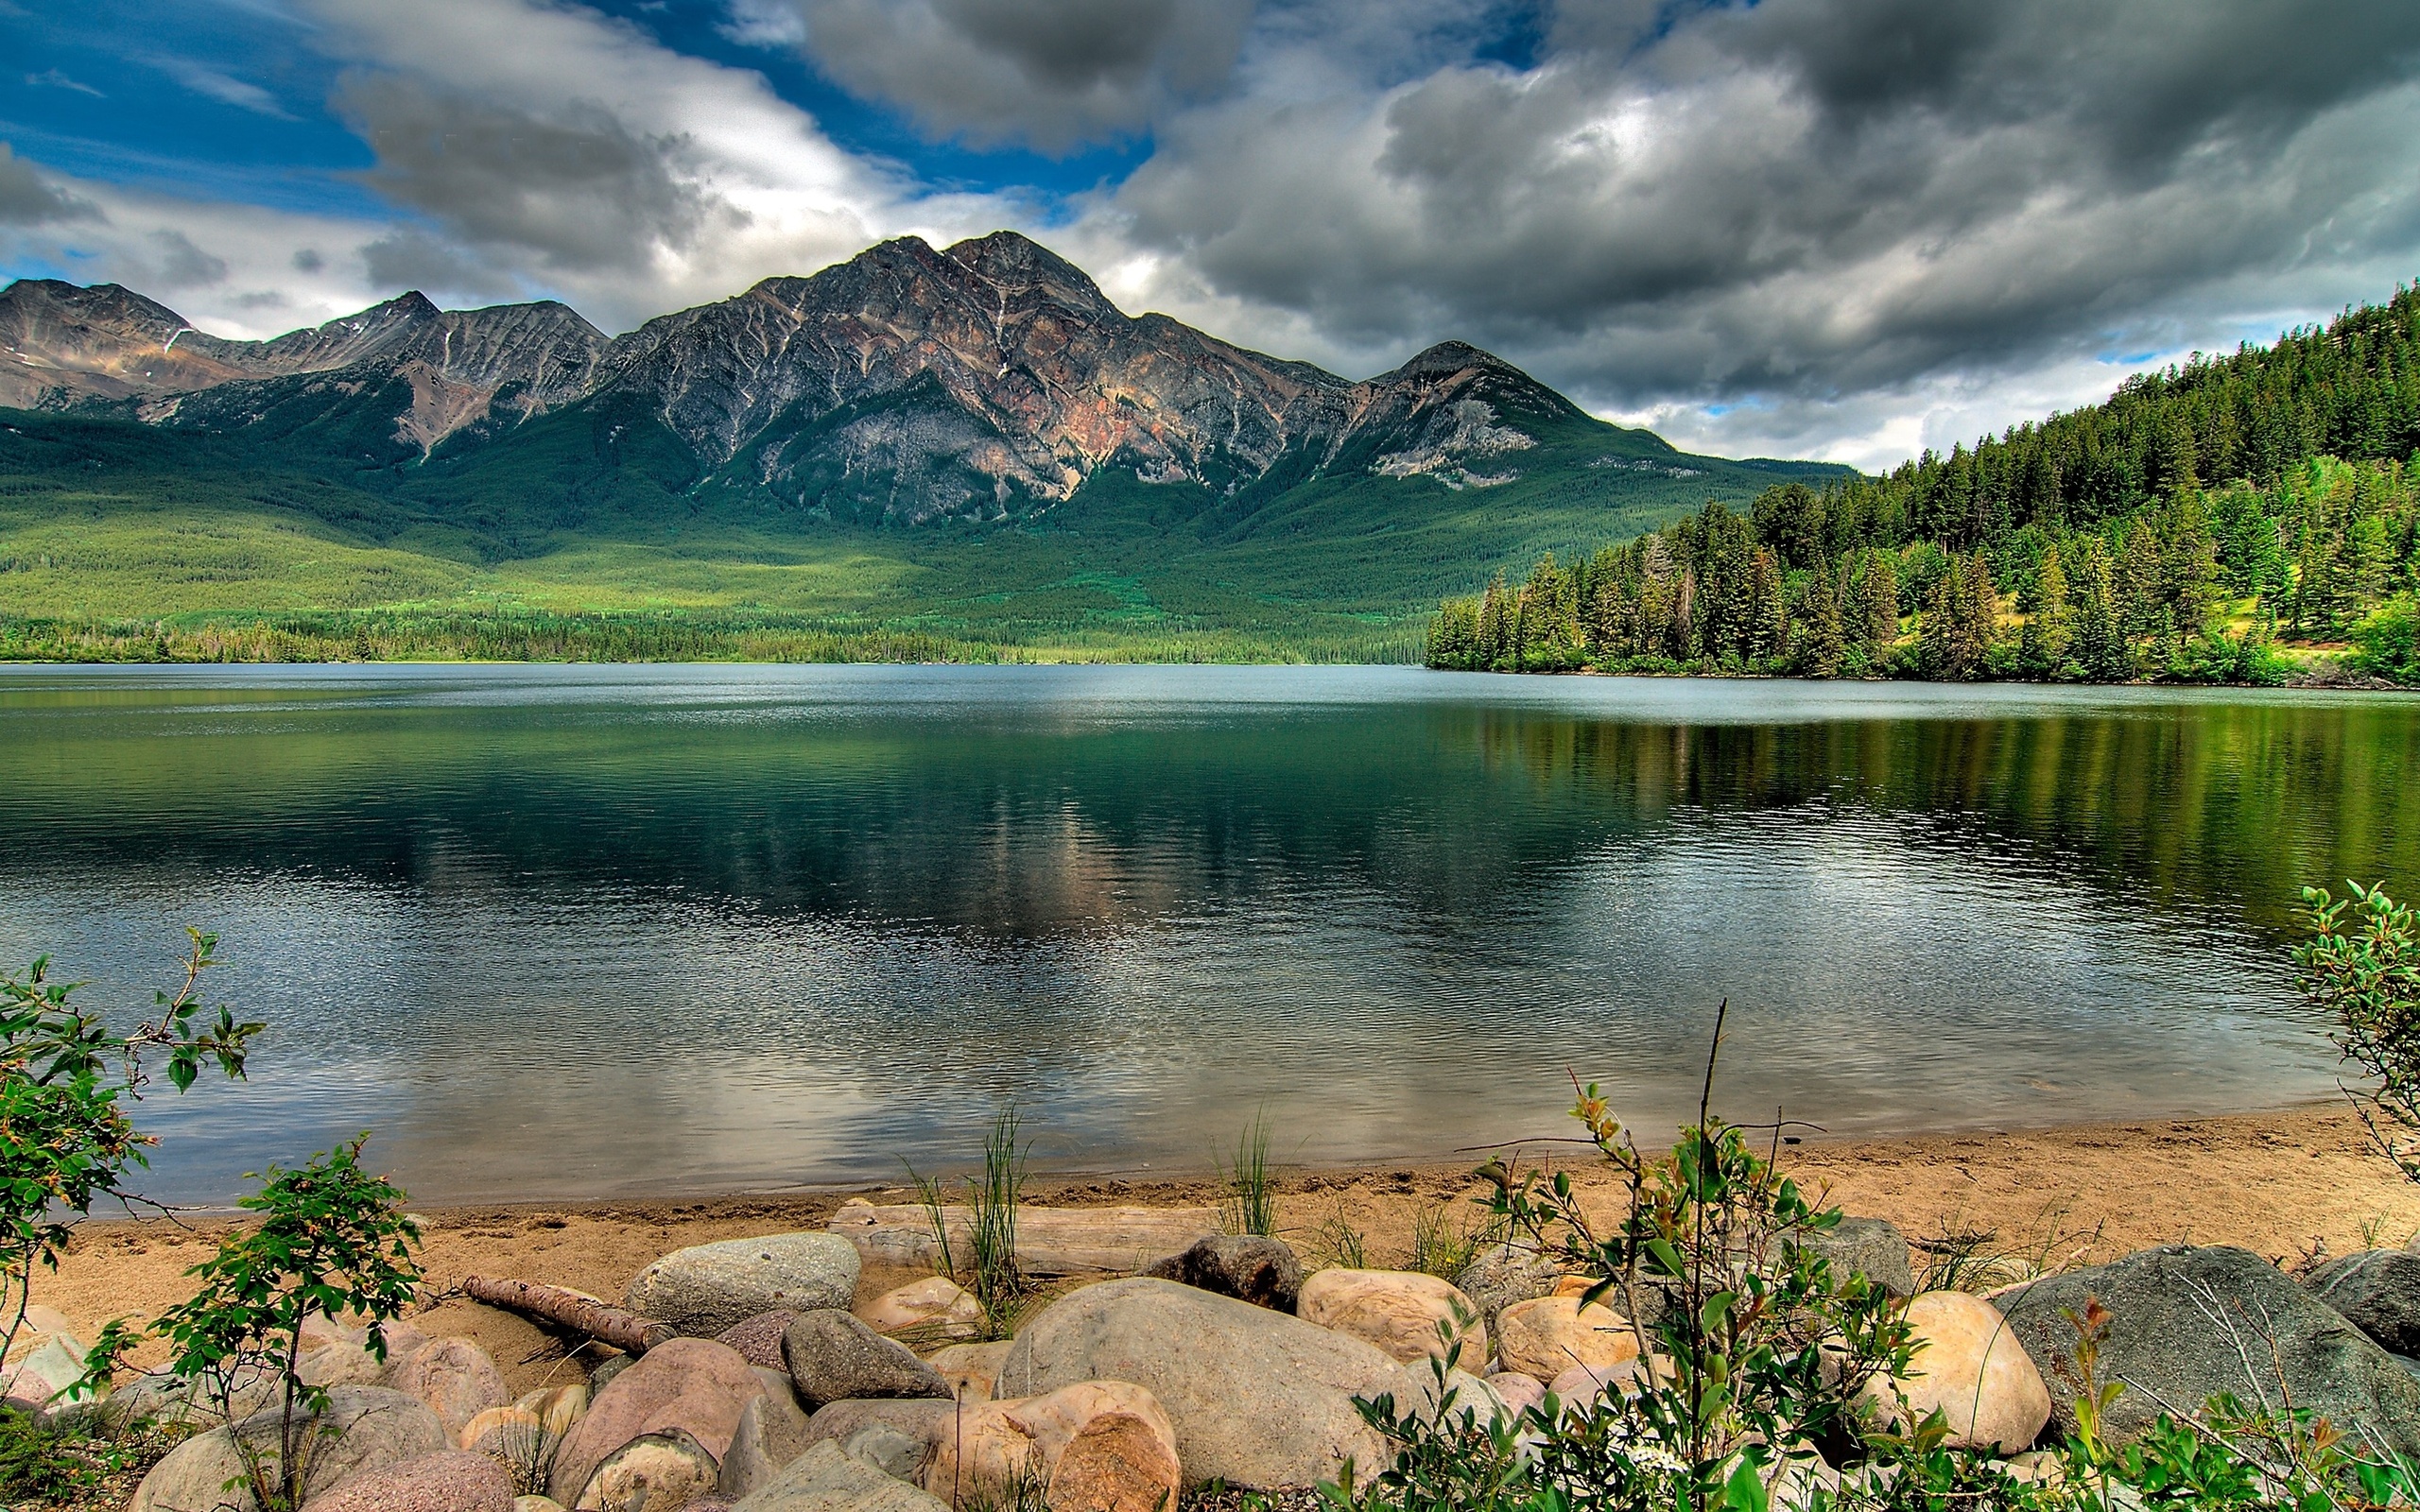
[972, 438]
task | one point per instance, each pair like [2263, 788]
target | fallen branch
[573, 1312]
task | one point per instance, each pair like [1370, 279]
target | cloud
[224, 88]
[27, 200]
[1049, 73]
[1808, 202]
[762, 24]
[53, 78]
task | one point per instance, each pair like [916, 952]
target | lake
[591, 931]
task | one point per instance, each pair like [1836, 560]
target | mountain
[986, 387]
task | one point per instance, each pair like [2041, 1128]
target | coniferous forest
[2248, 517]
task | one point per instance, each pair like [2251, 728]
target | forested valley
[2248, 517]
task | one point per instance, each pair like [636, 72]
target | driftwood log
[573, 1312]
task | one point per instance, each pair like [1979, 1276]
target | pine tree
[1767, 629]
[1878, 603]
[2042, 644]
[2099, 649]
[1822, 644]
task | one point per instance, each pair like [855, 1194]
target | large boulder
[1502, 1275]
[827, 1479]
[172, 1401]
[684, 1393]
[1399, 1311]
[1256, 1399]
[2378, 1290]
[833, 1356]
[447, 1481]
[364, 1429]
[1547, 1336]
[707, 1288]
[1248, 1268]
[2187, 1323]
[1873, 1247]
[1970, 1367]
[453, 1379]
[922, 1418]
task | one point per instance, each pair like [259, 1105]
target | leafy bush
[2387, 642]
[333, 1240]
[67, 1081]
[2368, 980]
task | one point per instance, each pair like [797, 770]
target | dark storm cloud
[577, 187]
[1818, 198]
[26, 199]
[1049, 73]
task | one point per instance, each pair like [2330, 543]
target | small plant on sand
[1249, 1187]
[66, 1084]
[1446, 1235]
[1335, 1243]
[990, 1269]
[2367, 978]
[332, 1239]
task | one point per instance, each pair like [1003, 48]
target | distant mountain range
[988, 384]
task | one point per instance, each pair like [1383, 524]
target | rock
[922, 1418]
[994, 1447]
[1115, 1463]
[1969, 1366]
[42, 1369]
[889, 1451]
[973, 1370]
[2186, 1322]
[339, 1356]
[606, 1369]
[1654, 1297]
[536, 1503]
[173, 1402]
[654, 1472]
[559, 1406]
[1256, 1399]
[758, 1339]
[447, 1481]
[695, 1388]
[771, 1432]
[500, 1431]
[1547, 1336]
[364, 1429]
[453, 1379]
[1582, 1384]
[827, 1479]
[936, 1305]
[1398, 1310]
[1248, 1268]
[1502, 1275]
[1518, 1392]
[834, 1357]
[707, 1288]
[2378, 1290]
[1874, 1248]
[1050, 1241]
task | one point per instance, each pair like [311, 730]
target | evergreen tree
[1823, 643]
[1767, 631]
[2099, 649]
[1878, 603]
[2042, 644]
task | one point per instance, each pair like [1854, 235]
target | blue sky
[1837, 227]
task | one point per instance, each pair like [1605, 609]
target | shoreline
[2280, 1183]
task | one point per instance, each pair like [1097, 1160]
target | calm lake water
[588, 931]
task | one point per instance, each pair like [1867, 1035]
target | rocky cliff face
[982, 380]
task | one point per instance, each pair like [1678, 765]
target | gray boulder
[1502, 1275]
[920, 1418]
[707, 1288]
[2378, 1290]
[828, 1479]
[771, 1432]
[364, 1429]
[834, 1357]
[1248, 1268]
[1874, 1248]
[687, 1392]
[1259, 1398]
[172, 1401]
[2187, 1323]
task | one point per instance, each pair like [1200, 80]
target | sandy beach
[2280, 1183]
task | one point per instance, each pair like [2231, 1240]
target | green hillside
[596, 534]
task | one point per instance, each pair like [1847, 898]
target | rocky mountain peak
[1012, 263]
